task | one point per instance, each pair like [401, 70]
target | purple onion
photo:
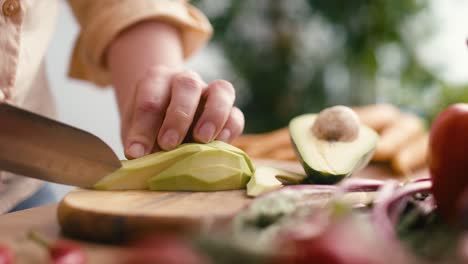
[389, 203]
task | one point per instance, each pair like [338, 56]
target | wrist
[152, 42]
[136, 50]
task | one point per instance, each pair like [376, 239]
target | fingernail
[170, 139]
[136, 150]
[2, 96]
[224, 135]
[206, 132]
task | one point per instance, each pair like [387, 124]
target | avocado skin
[320, 177]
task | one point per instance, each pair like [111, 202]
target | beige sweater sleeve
[100, 22]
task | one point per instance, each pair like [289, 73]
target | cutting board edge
[111, 227]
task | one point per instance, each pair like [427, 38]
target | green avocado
[225, 146]
[209, 170]
[190, 167]
[133, 174]
[211, 178]
[266, 179]
[327, 161]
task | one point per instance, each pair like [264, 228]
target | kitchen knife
[39, 147]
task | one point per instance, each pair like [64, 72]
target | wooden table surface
[14, 228]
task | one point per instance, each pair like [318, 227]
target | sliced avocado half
[210, 170]
[134, 173]
[211, 178]
[225, 146]
[329, 161]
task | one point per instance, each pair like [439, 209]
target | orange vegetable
[377, 116]
[412, 157]
[397, 135]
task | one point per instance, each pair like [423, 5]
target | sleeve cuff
[88, 55]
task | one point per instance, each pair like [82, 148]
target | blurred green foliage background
[297, 56]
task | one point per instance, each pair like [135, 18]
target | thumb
[2, 97]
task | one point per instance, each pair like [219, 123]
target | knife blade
[35, 146]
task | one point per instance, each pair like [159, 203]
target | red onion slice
[388, 199]
[361, 185]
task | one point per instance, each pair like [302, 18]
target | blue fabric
[45, 195]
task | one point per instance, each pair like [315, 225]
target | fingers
[220, 97]
[186, 89]
[150, 103]
[164, 108]
[234, 126]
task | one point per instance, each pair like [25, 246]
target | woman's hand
[165, 106]
[160, 104]
[2, 97]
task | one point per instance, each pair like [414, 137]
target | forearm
[137, 49]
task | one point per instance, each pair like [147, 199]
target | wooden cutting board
[120, 215]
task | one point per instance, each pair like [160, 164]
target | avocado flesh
[225, 146]
[190, 167]
[214, 169]
[266, 179]
[134, 174]
[325, 161]
[204, 159]
[211, 178]
[153, 159]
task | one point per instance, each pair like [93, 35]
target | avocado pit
[337, 123]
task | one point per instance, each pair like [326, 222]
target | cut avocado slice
[266, 179]
[215, 169]
[325, 161]
[207, 158]
[225, 146]
[190, 167]
[134, 173]
[153, 159]
[210, 178]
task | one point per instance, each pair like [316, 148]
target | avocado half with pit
[333, 148]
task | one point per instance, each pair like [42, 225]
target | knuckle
[150, 106]
[217, 107]
[157, 70]
[219, 103]
[191, 74]
[223, 91]
[224, 86]
[237, 113]
[217, 114]
[237, 119]
[182, 114]
[187, 81]
[151, 82]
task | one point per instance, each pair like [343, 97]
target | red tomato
[448, 159]
[6, 255]
[462, 208]
[66, 252]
